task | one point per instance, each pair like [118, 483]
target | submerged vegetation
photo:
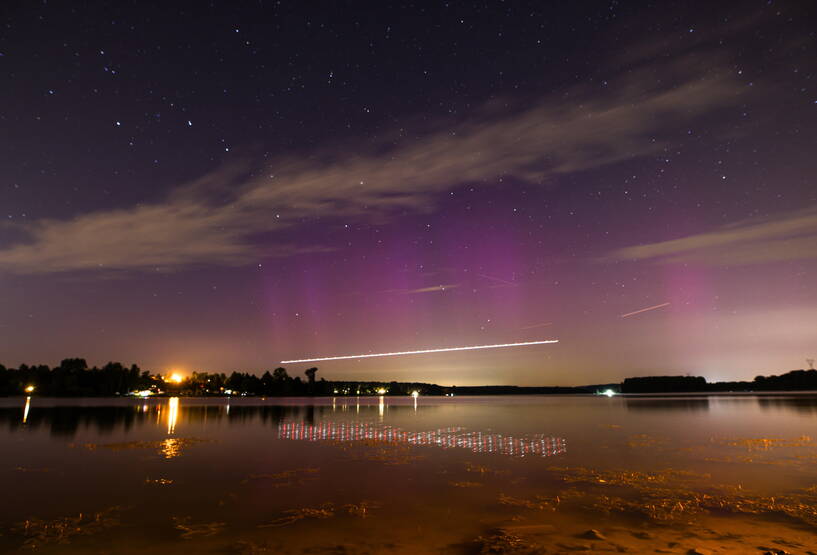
[326, 510]
[38, 532]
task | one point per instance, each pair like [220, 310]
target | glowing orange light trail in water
[425, 351]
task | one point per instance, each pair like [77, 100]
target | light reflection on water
[172, 414]
[171, 448]
[453, 468]
[26, 409]
[446, 438]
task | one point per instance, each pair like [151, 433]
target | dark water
[394, 475]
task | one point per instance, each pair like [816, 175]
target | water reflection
[69, 416]
[446, 438]
[170, 448]
[686, 404]
[26, 409]
[167, 414]
[172, 414]
[691, 478]
[803, 405]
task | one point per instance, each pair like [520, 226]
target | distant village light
[30, 389]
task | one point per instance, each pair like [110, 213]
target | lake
[521, 474]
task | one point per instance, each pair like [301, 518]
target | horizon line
[423, 351]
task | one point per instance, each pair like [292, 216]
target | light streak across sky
[499, 280]
[425, 351]
[532, 326]
[645, 310]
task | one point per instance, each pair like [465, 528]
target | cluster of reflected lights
[446, 438]
[172, 416]
[170, 447]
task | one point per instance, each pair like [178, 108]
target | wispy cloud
[789, 236]
[217, 219]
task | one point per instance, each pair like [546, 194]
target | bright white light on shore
[424, 351]
[415, 393]
[143, 393]
[30, 389]
[609, 392]
[175, 377]
[381, 391]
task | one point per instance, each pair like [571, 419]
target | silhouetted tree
[267, 383]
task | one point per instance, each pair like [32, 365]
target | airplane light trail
[644, 310]
[424, 351]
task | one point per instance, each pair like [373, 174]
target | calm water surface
[537, 474]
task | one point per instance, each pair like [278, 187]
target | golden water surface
[526, 474]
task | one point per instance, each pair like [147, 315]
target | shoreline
[668, 394]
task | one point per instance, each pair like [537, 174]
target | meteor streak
[424, 351]
[644, 310]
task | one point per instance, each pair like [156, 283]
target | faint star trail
[498, 280]
[532, 326]
[645, 310]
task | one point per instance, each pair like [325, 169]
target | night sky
[221, 186]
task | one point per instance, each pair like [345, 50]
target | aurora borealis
[221, 187]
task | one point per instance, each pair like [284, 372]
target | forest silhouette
[74, 378]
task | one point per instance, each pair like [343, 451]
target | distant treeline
[796, 380]
[73, 378]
